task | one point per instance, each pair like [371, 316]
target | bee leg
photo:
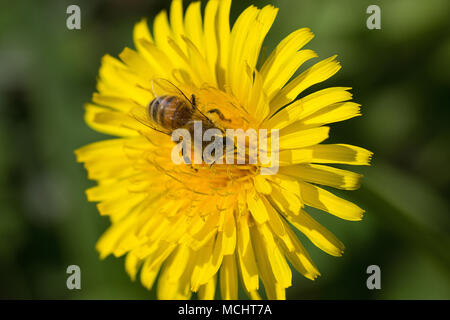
[194, 105]
[219, 114]
[210, 166]
[207, 160]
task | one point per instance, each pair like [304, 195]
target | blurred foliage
[400, 74]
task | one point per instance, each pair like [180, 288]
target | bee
[171, 109]
[171, 112]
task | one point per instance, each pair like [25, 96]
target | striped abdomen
[170, 112]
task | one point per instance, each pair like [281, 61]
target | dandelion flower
[204, 226]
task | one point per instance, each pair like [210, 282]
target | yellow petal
[208, 290]
[315, 232]
[148, 275]
[168, 289]
[263, 23]
[97, 150]
[325, 175]
[210, 36]
[321, 199]
[108, 241]
[228, 278]
[273, 289]
[115, 102]
[319, 72]
[284, 51]
[191, 74]
[223, 36]
[120, 206]
[299, 257]
[177, 263]
[257, 105]
[193, 25]
[163, 33]
[237, 78]
[302, 138]
[286, 71]
[215, 260]
[247, 263]
[278, 228]
[107, 191]
[208, 230]
[307, 106]
[132, 264]
[138, 65]
[254, 295]
[141, 31]
[161, 30]
[247, 37]
[201, 65]
[262, 185]
[278, 265]
[176, 22]
[202, 264]
[333, 113]
[109, 122]
[160, 61]
[257, 207]
[108, 169]
[288, 200]
[229, 234]
[327, 153]
[116, 79]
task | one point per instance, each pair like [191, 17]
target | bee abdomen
[170, 112]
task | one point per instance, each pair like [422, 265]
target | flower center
[223, 161]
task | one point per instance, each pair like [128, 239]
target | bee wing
[141, 115]
[197, 115]
[163, 87]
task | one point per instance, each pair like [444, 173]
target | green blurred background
[400, 74]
